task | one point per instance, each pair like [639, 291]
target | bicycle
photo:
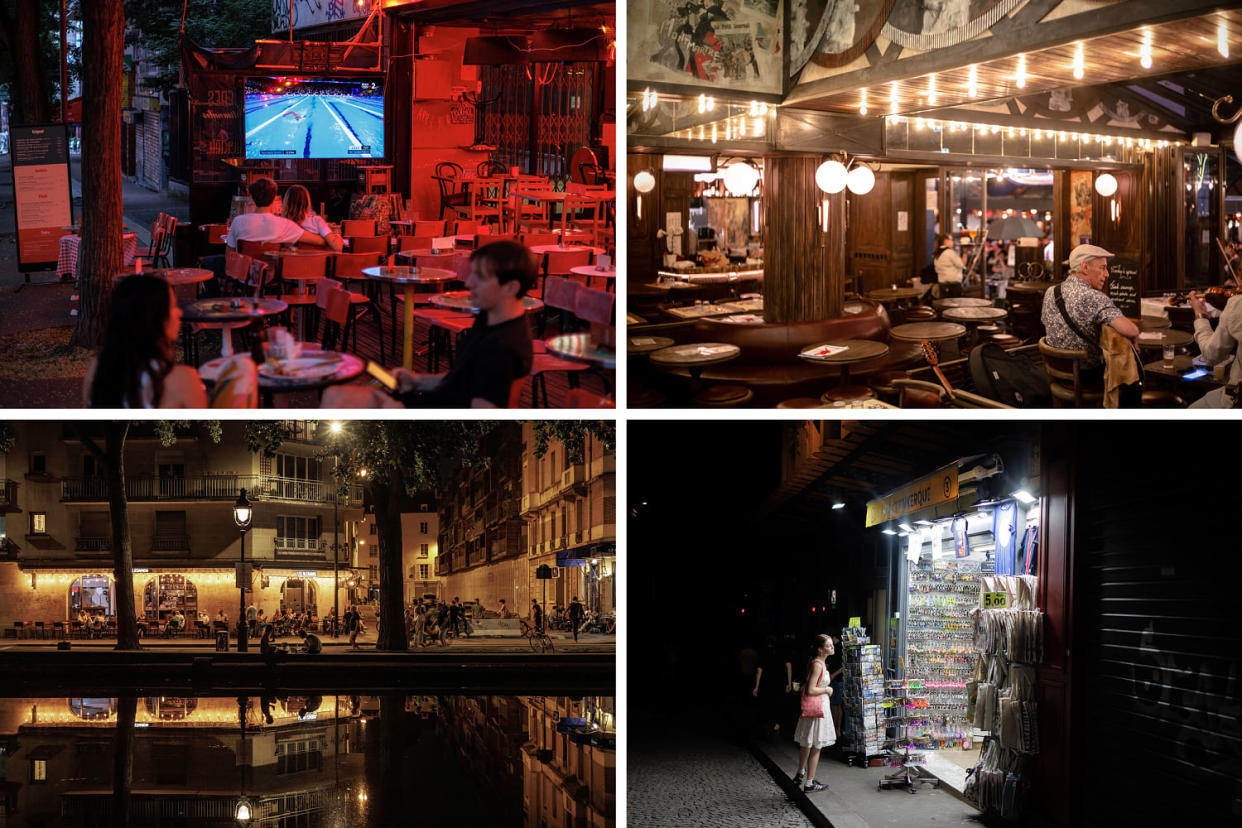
[538, 639]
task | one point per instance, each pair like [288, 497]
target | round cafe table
[946, 332]
[647, 344]
[579, 348]
[694, 357]
[1164, 336]
[593, 272]
[459, 300]
[347, 368]
[540, 249]
[886, 295]
[172, 275]
[223, 310]
[975, 314]
[962, 302]
[854, 351]
[408, 278]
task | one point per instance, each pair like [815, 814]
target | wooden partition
[881, 249]
[804, 263]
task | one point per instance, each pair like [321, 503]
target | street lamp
[242, 513]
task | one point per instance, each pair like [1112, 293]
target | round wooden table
[579, 348]
[224, 310]
[962, 302]
[852, 351]
[885, 295]
[408, 278]
[540, 249]
[695, 356]
[173, 275]
[634, 319]
[647, 344]
[974, 314]
[742, 319]
[1167, 336]
[933, 331]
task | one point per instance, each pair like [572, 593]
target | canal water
[299, 761]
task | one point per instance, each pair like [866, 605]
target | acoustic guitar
[929, 351]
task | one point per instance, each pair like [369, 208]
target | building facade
[570, 511]
[56, 536]
[420, 543]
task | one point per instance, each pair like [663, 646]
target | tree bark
[31, 97]
[111, 459]
[386, 496]
[101, 254]
[123, 760]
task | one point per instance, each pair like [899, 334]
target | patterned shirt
[1090, 309]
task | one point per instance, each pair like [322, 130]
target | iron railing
[170, 543]
[212, 487]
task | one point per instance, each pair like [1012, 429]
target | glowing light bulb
[1020, 78]
[931, 90]
[892, 97]
[862, 103]
[702, 103]
[1222, 39]
[754, 108]
[972, 83]
[1078, 61]
[1145, 50]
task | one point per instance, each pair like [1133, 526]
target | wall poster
[724, 44]
[40, 158]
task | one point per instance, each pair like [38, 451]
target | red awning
[75, 110]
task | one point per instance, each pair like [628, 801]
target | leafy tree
[406, 457]
[213, 23]
[30, 57]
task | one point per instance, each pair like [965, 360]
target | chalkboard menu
[1123, 286]
[40, 156]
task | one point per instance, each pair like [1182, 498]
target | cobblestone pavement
[684, 780]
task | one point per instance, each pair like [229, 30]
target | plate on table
[307, 368]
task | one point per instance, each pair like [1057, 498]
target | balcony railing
[94, 543]
[8, 494]
[170, 543]
[300, 547]
[212, 487]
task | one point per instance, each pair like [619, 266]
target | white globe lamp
[740, 178]
[831, 176]
[1105, 184]
[644, 182]
[860, 180]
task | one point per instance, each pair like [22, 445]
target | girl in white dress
[815, 733]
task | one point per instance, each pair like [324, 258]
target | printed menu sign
[1123, 286]
[40, 156]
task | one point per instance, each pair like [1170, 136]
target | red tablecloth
[67, 261]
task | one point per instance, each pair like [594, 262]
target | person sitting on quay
[490, 357]
[312, 643]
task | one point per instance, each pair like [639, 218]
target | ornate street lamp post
[242, 513]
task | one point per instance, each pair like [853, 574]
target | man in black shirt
[576, 613]
[490, 357]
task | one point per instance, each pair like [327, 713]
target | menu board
[40, 158]
[1123, 286]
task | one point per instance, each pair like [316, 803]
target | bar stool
[800, 402]
[724, 395]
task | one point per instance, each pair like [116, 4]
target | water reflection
[308, 761]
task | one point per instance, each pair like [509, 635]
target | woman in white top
[814, 733]
[298, 210]
[135, 368]
[949, 267]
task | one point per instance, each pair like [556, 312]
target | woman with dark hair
[135, 369]
[297, 208]
[814, 732]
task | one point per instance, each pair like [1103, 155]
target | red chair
[414, 242]
[532, 239]
[256, 249]
[443, 261]
[301, 273]
[562, 262]
[461, 228]
[348, 267]
[368, 244]
[358, 227]
[428, 228]
[515, 392]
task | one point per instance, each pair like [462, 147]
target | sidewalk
[490, 643]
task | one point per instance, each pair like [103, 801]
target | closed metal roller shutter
[1158, 656]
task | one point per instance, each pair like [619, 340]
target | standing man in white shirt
[949, 267]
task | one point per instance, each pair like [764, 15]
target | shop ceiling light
[923, 523]
[907, 527]
[831, 176]
[888, 531]
[1023, 496]
[838, 505]
[860, 180]
[689, 163]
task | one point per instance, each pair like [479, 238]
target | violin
[1217, 297]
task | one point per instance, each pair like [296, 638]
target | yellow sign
[931, 490]
[856, 621]
[995, 600]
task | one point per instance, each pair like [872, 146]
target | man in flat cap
[1075, 310]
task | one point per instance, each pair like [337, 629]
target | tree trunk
[31, 92]
[123, 760]
[387, 499]
[122, 550]
[101, 255]
[390, 805]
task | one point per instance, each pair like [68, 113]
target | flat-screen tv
[313, 118]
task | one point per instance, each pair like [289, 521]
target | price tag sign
[856, 621]
[995, 600]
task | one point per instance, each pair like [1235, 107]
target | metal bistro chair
[452, 193]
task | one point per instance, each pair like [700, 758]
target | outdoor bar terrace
[789, 209]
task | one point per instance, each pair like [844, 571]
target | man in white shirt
[263, 225]
[949, 267]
